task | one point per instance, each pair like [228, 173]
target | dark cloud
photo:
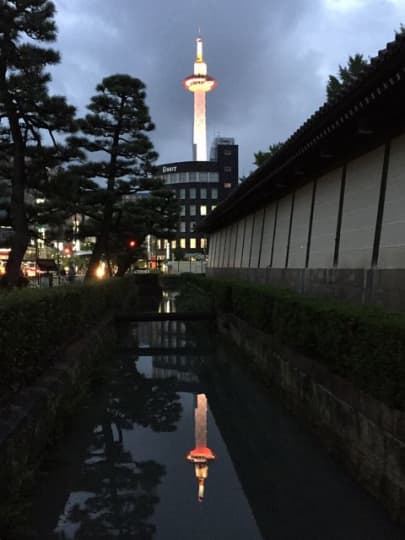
[271, 59]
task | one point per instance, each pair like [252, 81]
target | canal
[180, 443]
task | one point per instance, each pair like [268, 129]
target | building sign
[169, 169]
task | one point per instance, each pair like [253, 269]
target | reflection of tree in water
[117, 495]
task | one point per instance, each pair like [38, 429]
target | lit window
[203, 210]
[203, 193]
[213, 207]
[227, 185]
[183, 243]
[193, 243]
[182, 193]
[193, 193]
[203, 243]
[182, 226]
[214, 193]
[174, 244]
[192, 210]
[182, 210]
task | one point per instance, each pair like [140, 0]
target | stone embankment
[364, 433]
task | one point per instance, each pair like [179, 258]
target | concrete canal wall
[31, 419]
[364, 433]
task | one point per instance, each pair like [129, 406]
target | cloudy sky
[272, 59]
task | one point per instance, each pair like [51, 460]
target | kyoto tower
[201, 455]
[199, 83]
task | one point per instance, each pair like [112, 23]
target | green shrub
[363, 344]
[36, 323]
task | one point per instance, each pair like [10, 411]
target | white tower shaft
[199, 128]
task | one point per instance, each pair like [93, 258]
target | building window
[183, 243]
[173, 244]
[203, 176]
[182, 226]
[227, 185]
[192, 226]
[182, 193]
[183, 210]
[228, 169]
[203, 243]
[192, 210]
[227, 153]
[192, 176]
[203, 193]
[203, 210]
[193, 193]
[193, 243]
[213, 207]
[214, 193]
[213, 177]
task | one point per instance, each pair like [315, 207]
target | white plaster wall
[363, 181]
[257, 235]
[268, 235]
[238, 257]
[282, 227]
[224, 258]
[248, 237]
[235, 239]
[300, 226]
[211, 250]
[324, 221]
[392, 242]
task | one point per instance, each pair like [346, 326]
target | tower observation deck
[199, 83]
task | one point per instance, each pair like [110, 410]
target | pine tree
[355, 66]
[27, 111]
[115, 132]
[261, 157]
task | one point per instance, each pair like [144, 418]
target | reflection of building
[201, 455]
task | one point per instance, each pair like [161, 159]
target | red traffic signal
[67, 250]
[132, 244]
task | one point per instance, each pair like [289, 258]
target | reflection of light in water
[201, 454]
[168, 302]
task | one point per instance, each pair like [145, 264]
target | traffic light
[67, 249]
[132, 243]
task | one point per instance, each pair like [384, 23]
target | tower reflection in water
[201, 455]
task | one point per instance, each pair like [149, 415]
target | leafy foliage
[346, 75]
[363, 344]
[36, 323]
[261, 157]
[29, 116]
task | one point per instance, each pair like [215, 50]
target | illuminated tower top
[199, 83]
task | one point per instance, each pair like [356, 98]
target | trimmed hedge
[35, 324]
[363, 344]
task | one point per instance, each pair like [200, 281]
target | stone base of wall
[365, 434]
[27, 423]
[385, 288]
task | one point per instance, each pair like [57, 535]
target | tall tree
[261, 157]
[27, 111]
[345, 76]
[115, 133]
